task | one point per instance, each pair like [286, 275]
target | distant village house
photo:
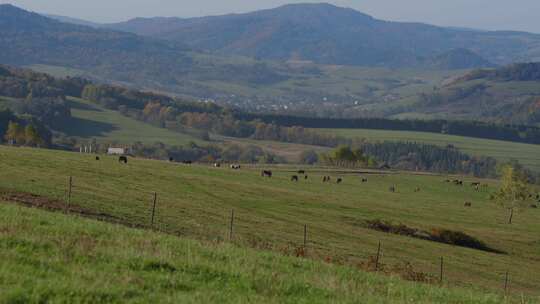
[116, 151]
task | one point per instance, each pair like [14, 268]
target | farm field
[288, 151]
[270, 214]
[92, 121]
[527, 154]
[48, 257]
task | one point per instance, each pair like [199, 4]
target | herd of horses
[301, 174]
[476, 185]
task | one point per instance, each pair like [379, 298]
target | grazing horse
[187, 162]
[123, 159]
[266, 173]
[217, 165]
[171, 159]
[294, 178]
[392, 189]
[97, 157]
[301, 172]
[364, 180]
[235, 167]
[326, 179]
[339, 180]
[306, 177]
[468, 204]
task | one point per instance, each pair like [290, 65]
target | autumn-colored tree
[514, 190]
[31, 136]
[14, 133]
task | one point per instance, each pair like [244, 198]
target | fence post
[305, 238]
[441, 271]
[68, 199]
[231, 224]
[506, 283]
[154, 209]
[378, 256]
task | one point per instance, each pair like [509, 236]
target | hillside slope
[327, 34]
[90, 121]
[510, 94]
[49, 257]
[270, 213]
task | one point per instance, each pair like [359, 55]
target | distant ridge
[74, 21]
[328, 34]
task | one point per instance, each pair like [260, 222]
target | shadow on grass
[86, 128]
[450, 237]
[82, 106]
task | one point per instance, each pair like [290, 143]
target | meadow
[270, 213]
[53, 258]
[527, 154]
[91, 121]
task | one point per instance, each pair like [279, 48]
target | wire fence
[146, 209]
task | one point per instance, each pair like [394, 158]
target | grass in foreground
[527, 154]
[196, 201]
[48, 257]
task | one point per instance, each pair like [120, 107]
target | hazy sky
[482, 14]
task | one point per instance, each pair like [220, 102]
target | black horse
[266, 173]
[123, 159]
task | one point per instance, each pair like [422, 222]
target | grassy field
[91, 121]
[53, 258]
[196, 202]
[289, 151]
[526, 154]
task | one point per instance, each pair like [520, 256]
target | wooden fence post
[441, 271]
[68, 199]
[305, 238]
[378, 257]
[231, 224]
[153, 209]
[506, 283]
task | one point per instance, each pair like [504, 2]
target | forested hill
[515, 72]
[28, 38]
[509, 94]
[328, 34]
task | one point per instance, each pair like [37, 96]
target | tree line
[477, 129]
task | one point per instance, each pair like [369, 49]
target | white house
[116, 151]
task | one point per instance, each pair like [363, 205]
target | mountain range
[327, 34]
